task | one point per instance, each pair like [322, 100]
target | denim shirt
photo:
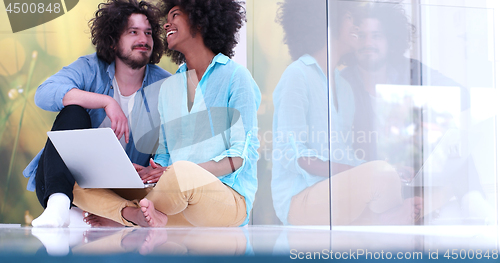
[89, 73]
[222, 122]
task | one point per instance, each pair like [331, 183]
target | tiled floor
[254, 241]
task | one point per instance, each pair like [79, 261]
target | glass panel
[459, 185]
[392, 102]
[416, 73]
[290, 66]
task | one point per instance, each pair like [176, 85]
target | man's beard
[134, 63]
[370, 64]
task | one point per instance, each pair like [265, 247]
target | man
[97, 91]
[210, 182]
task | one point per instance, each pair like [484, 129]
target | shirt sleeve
[244, 98]
[49, 95]
[162, 156]
[292, 106]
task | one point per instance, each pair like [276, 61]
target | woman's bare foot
[146, 215]
[153, 217]
[154, 239]
[406, 214]
[99, 221]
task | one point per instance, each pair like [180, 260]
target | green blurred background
[28, 57]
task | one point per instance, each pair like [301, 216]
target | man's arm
[83, 74]
[91, 100]
[81, 83]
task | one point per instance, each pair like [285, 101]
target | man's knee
[72, 117]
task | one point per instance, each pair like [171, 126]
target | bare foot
[154, 239]
[132, 241]
[153, 217]
[406, 214]
[99, 221]
[146, 215]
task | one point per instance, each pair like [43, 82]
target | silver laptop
[96, 159]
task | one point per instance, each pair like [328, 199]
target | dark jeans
[52, 175]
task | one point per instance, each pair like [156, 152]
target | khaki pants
[373, 187]
[188, 194]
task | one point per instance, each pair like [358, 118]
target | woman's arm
[244, 100]
[223, 167]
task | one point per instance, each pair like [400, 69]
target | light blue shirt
[89, 73]
[222, 122]
[300, 129]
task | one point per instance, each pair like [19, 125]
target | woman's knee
[186, 169]
[176, 170]
[187, 176]
[182, 165]
[378, 171]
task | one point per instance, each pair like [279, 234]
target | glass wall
[374, 113]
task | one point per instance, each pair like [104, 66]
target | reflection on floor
[281, 241]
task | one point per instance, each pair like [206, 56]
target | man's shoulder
[92, 61]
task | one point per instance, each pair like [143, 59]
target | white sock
[55, 240]
[56, 214]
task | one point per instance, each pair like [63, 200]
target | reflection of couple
[363, 191]
[210, 183]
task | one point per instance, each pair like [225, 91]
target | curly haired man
[93, 92]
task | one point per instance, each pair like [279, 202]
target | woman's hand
[150, 174]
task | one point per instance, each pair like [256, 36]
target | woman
[205, 167]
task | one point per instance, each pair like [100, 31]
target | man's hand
[91, 100]
[150, 174]
[119, 123]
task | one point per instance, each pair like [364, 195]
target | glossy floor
[289, 242]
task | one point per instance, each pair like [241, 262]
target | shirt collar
[219, 58]
[308, 60]
[111, 72]
[311, 61]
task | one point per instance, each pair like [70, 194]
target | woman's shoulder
[174, 83]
